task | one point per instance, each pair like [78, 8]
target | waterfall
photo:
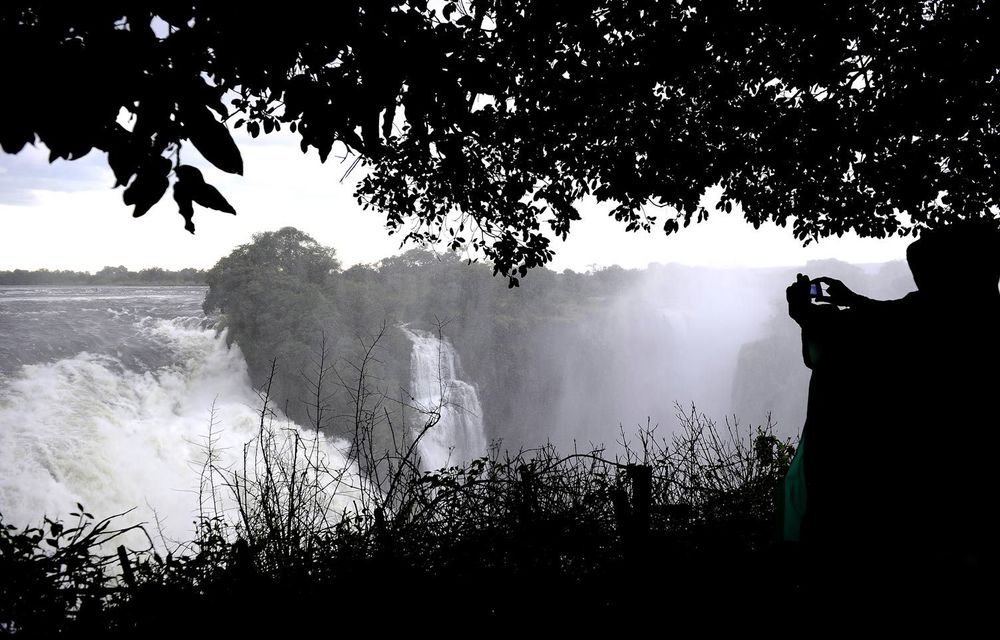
[88, 429]
[458, 435]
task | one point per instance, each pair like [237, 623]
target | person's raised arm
[820, 323]
[797, 295]
[837, 293]
[800, 309]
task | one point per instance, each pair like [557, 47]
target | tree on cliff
[483, 122]
[272, 291]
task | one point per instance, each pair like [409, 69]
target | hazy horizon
[554, 266]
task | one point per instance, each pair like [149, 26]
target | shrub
[512, 535]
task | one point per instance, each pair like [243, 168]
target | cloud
[28, 172]
[67, 216]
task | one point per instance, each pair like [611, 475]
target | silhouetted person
[953, 384]
[900, 431]
[844, 343]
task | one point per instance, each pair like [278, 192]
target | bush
[371, 539]
[55, 576]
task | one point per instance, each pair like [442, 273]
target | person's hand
[797, 295]
[836, 292]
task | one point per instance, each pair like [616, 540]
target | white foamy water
[458, 436]
[88, 429]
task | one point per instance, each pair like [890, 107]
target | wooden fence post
[641, 477]
[127, 574]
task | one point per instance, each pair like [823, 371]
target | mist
[672, 337]
[573, 359]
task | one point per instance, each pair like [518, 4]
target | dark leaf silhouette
[208, 196]
[182, 196]
[148, 187]
[851, 116]
[122, 156]
[13, 138]
[193, 187]
[212, 138]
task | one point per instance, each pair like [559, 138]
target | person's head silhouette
[958, 260]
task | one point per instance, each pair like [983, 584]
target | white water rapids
[87, 429]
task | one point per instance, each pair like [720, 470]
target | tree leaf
[13, 136]
[211, 138]
[208, 196]
[191, 187]
[188, 175]
[124, 162]
[182, 195]
[148, 187]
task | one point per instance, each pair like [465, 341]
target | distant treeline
[107, 275]
[538, 354]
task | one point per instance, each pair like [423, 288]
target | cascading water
[124, 427]
[458, 434]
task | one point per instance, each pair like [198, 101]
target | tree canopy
[484, 123]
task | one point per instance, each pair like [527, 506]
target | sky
[66, 216]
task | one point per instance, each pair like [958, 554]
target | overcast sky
[66, 216]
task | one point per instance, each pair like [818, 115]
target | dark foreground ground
[680, 536]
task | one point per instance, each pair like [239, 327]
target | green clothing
[793, 503]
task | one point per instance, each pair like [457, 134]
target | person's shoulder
[909, 300]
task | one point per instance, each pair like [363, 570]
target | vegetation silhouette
[907, 521]
[530, 538]
[479, 120]
[481, 124]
